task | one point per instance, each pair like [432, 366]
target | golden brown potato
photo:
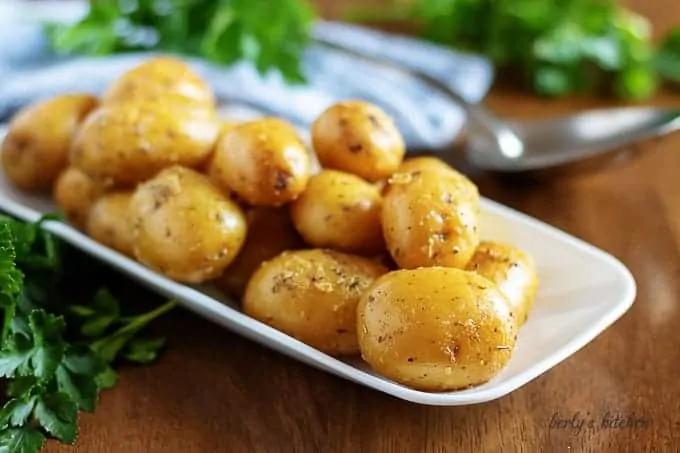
[340, 211]
[263, 161]
[130, 142]
[435, 328]
[161, 79]
[431, 218]
[108, 221]
[75, 193]
[36, 148]
[270, 232]
[423, 163]
[359, 138]
[184, 227]
[512, 270]
[312, 295]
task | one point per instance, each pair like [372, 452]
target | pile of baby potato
[372, 254]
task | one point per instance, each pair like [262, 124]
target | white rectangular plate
[583, 290]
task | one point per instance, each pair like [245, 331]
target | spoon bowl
[564, 140]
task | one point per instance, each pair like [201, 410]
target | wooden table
[216, 392]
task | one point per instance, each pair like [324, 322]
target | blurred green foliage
[270, 33]
[555, 47]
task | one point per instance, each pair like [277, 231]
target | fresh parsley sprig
[555, 48]
[270, 33]
[55, 356]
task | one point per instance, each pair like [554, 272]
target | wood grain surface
[214, 391]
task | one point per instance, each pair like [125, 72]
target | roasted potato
[512, 270]
[340, 211]
[312, 295]
[36, 148]
[75, 193]
[161, 79]
[184, 227]
[359, 138]
[127, 143]
[423, 163]
[270, 232]
[430, 218]
[435, 328]
[263, 161]
[108, 222]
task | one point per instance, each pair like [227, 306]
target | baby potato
[430, 218]
[423, 163]
[312, 295]
[270, 232]
[128, 143]
[435, 328]
[108, 221]
[161, 79]
[36, 148]
[263, 161]
[75, 193]
[184, 227]
[359, 138]
[340, 211]
[512, 270]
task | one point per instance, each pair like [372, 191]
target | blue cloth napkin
[30, 71]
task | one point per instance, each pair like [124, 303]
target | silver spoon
[513, 146]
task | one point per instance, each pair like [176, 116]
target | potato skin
[263, 161]
[512, 270]
[359, 138]
[423, 163]
[108, 223]
[270, 232]
[75, 193]
[184, 227]
[161, 79]
[128, 143]
[431, 218]
[340, 211]
[435, 328]
[36, 148]
[312, 295]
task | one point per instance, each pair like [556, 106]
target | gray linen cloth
[29, 71]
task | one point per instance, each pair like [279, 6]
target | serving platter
[583, 290]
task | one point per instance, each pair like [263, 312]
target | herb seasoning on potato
[512, 270]
[312, 295]
[430, 218]
[270, 232]
[436, 328]
[161, 79]
[128, 143]
[185, 227]
[36, 148]
[359, 138]
[264, 162]
[415, 164]
[340, 211]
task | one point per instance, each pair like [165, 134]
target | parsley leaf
[52, 370]
[667, 60]
[21, 440]
[58, 414]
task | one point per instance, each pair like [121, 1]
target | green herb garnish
[56, 356]
[555, 48]
[270, 33]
